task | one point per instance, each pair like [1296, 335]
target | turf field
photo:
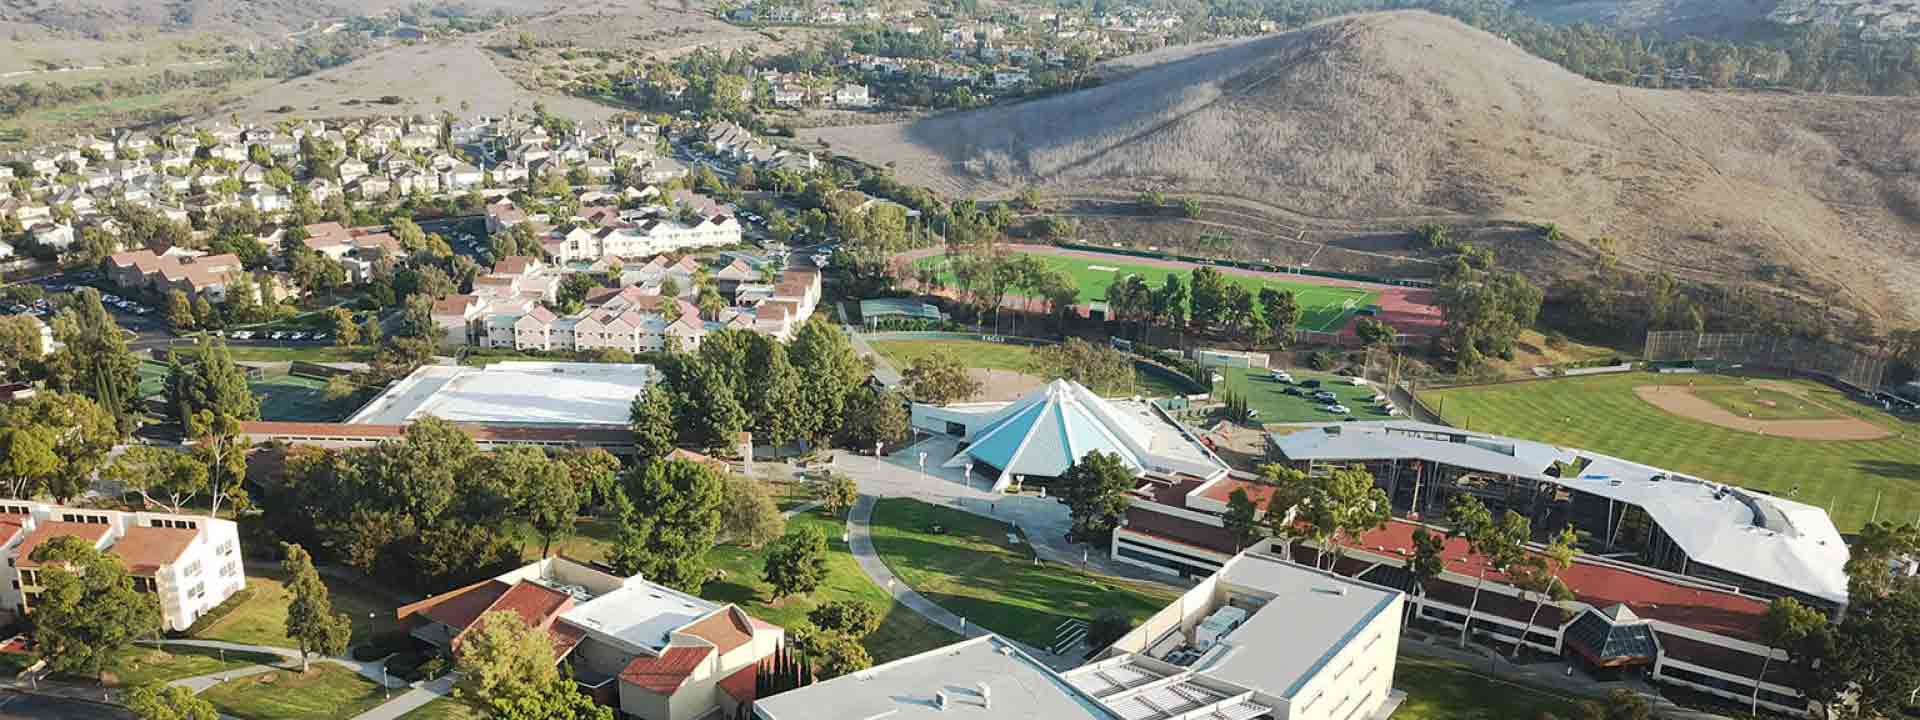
[999, 356]
[1602, 413]
[1322, 307]
[1268, 396]
[298, 399]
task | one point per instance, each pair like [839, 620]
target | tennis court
[1323, 308]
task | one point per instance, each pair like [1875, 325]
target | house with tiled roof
[195, 275]
[645, 649]
[190, 562]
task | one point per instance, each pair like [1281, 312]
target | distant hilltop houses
[1874, 20]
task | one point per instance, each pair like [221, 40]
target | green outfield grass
[1766, 404]
[1000, 356]
[1601, 413]
[1322, 307]
[1268, 396]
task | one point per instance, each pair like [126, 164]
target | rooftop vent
[940, 700]
[986, 695]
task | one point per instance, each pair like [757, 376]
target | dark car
[1310, 383]
[1290, 390]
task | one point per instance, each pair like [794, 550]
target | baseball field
[1795, 438]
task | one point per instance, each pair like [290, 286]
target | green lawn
[1766, 404]
[1442, 690]
[1267, 396]
[1323, 307]
[971, 570]
[445, 708]
[153, 378]
[326, 691]
[140, 665]
[308, 353]
[1000, 356]
[1602, 414]
[901, 633]
[262, 619]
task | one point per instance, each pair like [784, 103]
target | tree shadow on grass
[1894, 469]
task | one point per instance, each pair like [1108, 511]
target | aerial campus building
[1041, 435]
[1262, 638]
[190, 563]
[1676, 575]
[550, 404]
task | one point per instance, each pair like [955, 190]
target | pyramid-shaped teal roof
[1050, 429]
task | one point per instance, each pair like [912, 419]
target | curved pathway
[860, 543]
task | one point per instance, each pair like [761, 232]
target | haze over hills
[94, 18]
[1406, 116]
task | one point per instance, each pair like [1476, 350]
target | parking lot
[1305, 396]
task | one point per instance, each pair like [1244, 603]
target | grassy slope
[995, 356]
[141, 665]
[1441, 690]
[1322, 306]
[445, 708]
[901, 633]
[1602, 414]
[972, 571]
[326, 691]
[262, 620]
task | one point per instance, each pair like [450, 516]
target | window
[16, 509]
[87, 518]
[230, 569]
[199, 590]
[145, 584]
[179, 524]
[193, 569]
[226, 548]
[30, 577]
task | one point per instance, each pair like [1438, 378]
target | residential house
[58, 236]
[206, 275]
[851, 95]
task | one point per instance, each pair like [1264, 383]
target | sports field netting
[1839, 362]
[1323, 308]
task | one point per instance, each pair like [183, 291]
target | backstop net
[1840, 363]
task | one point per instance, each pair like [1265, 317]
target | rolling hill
[1402, 117]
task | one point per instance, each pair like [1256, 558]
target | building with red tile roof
[191, 562]
[643, 648]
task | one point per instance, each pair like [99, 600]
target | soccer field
[1322, 307]
[1000, 356]
[1604, 414]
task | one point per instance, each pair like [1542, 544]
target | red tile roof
[741, 685]
[456, 608]
[145, 549]
[1601, 585]
[90, 532]
[725, 628]
[665, 674]
[1222, 491]
[536, 605]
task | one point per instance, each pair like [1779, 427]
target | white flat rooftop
[639, 615]
[1018, 688]
[513, 393]
[1310, 617]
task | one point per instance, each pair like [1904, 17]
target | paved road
[20, 706]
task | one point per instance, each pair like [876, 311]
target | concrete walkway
[802, 507]
[201, 683]
[421, 694]
[372, 670]
[860, 543]
[882, 370]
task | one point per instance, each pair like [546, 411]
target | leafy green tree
[875, 417]
[748, 515]
[163, 477]
[829, 372]
[1100, 368]
[1873, 664]
[345, 331]
[80, 432]
[1281, 312]
[652, 422]
[28, 459]
[154, 701]
[1170, 304]
[548, 497]
[595, 474]
[87, 611]
[1485, 311]
[1541, 576]
[1429, 559]
[1208, 295]
[797, 564]
[311, 622]
[94, 360]
[210, 382]
[179, 311]
[832, 654]
[676, 515]
[502, 658]
[1879, 545]
[836, 492]
[1239, 519]
[851, 618]
[1500, 544]
[20, 347]
[556, 699]
[772, 392]
[1787, 626]
[1107, 627]
[939, 378]
[709, 415]
[1619, 704]
[1373, 332]
[1095, 493]
[1342, 504]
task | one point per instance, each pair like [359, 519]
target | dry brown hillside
[1404, 116]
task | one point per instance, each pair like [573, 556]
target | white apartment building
[650, 237]
[192, 562]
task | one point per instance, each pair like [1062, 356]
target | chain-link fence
[1843, 364]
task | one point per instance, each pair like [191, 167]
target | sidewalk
[371, 670]
[1548, 675]
[882, 370]
[860, 543]
[411, 700]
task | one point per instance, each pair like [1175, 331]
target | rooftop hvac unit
[1217, 626]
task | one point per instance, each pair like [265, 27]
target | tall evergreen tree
[652, 423]
[829, 370]
[94, 360]
[311, 622]
[675, 518]
[210, 382]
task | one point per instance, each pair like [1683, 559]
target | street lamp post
[923, 467]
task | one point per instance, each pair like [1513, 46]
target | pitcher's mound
[1681, 401]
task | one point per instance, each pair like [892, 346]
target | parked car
[1338, 409]
[1324, 396]
[1356, 381]
[1282, 376]
[1291, 390]
[1310, 383]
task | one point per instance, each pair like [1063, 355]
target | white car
[297, 336]
[278, 336]
[1337, 409]
[1356, 381]
[1282, 376]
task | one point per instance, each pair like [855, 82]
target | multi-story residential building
[191, 562]
[648, 650]
[206, 274]
[646, 237]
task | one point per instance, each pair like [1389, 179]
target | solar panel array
[1109, 681]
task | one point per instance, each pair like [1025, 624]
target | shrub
[218, 613]
[1322, 360]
